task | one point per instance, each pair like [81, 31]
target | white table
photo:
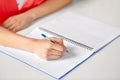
[104, 65]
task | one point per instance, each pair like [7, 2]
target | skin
[43, 48]
[18, 22]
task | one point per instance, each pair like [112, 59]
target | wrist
[31, 45]
[31, 15]
[27, 44]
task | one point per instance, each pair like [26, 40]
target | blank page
[83, 29]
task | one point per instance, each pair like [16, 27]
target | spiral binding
[68, 40]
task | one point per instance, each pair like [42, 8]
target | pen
[43, 35]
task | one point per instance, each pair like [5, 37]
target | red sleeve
[7, 8]
[10, 7]
[31, 3]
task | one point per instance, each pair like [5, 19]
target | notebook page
[82, 29]
[71, 25]
[63, 65]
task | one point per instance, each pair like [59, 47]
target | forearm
[46, 8]
[42, 48]
[10, 39]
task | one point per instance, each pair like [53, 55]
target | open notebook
[82, 36]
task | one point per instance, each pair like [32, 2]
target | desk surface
[104, 65]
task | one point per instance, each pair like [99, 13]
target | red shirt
[10, 7]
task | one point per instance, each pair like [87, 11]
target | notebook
[82, 36]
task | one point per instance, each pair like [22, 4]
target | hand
[48, 50]
[18, 22]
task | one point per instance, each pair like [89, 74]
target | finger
[11, 27]
[8, 23]
[15, 28]
[55, 52]
[58, 47]
[57, 40]
[53, 57]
